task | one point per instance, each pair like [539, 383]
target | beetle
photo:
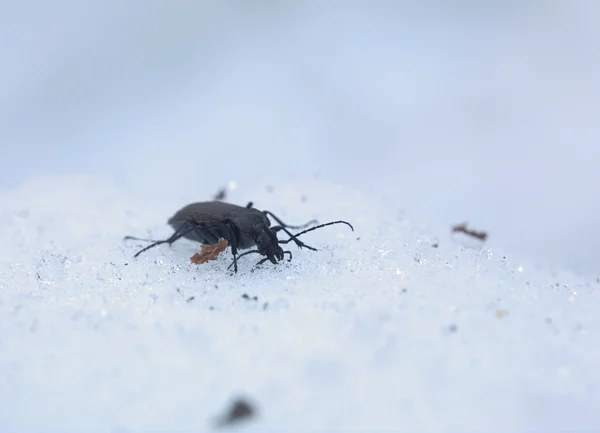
[242, 228]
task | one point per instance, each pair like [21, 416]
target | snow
[376, 330]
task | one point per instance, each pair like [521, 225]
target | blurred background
[459, 111]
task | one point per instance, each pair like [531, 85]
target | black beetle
[241, 227]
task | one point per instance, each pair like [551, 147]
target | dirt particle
[221, 194]
[240, 410]
[500, 314]
[34, 326]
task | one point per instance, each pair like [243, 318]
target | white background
[477, 111]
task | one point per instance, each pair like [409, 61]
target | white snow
[377, 330]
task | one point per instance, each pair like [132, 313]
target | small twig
[462, 228]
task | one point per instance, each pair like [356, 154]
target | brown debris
[462, 228]
[209, 252]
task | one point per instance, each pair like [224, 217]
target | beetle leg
[292, 238]
[265, 259]
[179, 233]
[261, 262]
[188, 226]
[242, 255]
[233, 242]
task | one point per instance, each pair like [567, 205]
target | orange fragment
[209, 252]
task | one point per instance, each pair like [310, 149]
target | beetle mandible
[241, 227]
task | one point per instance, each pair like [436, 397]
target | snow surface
[377, 330]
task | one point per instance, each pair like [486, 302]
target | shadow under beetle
[241, 227]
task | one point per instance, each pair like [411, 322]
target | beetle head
[267, 243]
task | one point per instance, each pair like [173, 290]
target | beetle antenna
[287, 226]
[293, 238]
